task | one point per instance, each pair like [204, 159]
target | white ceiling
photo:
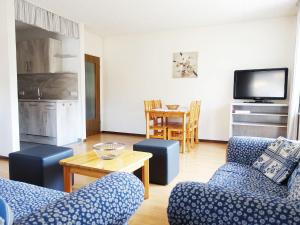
[110, 17]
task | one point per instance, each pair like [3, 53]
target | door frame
[96, 61]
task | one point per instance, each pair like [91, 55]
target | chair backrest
[198, 109]
[148, 105]
[157, 104]
[193, 114]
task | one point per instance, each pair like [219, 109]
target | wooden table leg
[147, 125]
[184, 133]
[145, 178]
[67, 179]
[165, 119]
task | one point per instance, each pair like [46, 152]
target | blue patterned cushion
[111, 200]
[25, 199]
[245, 150]
[238, 177]
[293, 176]
[294, 185]
[6, 215]
[279, 159]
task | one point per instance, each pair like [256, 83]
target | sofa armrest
[112, 199]
[245, 150]
[197, 203]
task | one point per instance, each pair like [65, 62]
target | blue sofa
[236, 194]
[111, 200]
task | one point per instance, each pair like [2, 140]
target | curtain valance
[36, 16]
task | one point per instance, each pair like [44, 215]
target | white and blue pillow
[279, 159]
[6, 215]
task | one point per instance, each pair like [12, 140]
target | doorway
[92, 94]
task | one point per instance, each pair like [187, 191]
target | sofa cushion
[26, 198]
[279, 159]
[239, 177]
[293, 177]
[6, 215]
[294, 185]
[111, 200]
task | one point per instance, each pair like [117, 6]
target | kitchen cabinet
[48, 112]
[34, 122]
[37, 118]
[68, 120]
[39, 56]
[23, 115]
[48, 122]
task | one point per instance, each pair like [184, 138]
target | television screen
[260, 84]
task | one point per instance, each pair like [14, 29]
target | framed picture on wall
[185, 64]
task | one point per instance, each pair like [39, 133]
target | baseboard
[213, 141]
[143, 135]
[123, 133]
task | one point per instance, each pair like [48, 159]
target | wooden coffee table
[89, 164]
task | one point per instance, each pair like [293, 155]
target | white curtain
[295, 87]
[33, 15]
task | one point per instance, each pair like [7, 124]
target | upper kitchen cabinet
[39, 56]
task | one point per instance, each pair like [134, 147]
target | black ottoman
[39, 165]
[164, 165]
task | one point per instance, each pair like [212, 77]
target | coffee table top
[128, 161]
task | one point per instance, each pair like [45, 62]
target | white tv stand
[258, 119]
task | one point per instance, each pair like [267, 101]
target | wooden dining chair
[159, 129]
[157, 104]
[175, 130]
[196, 105]
[197, 117]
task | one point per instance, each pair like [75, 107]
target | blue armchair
[236, 194]
[111, 200]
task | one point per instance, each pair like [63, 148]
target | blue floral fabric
[6, 214]
[294, 185]
[110, 200]
[245, 150]
[279, 159]
[196, 203]
[24, 198]
[237, 194]
[244, 178]
[292, 178]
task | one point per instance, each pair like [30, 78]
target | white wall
[93, 45]
[293, 121]
[139, 67]
[9, 125]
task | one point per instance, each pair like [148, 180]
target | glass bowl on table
[108, 150]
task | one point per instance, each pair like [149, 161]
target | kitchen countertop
[47, 100]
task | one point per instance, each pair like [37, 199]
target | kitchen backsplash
[48, 86]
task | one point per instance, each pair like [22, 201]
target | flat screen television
[261, 84]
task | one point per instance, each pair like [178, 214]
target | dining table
[166, 114]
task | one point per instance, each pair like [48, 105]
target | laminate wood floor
[197, 165]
